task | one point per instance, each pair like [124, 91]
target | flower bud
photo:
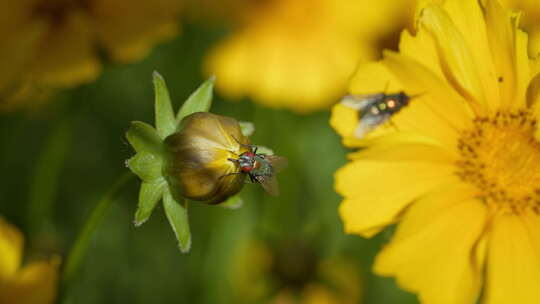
[198, 158]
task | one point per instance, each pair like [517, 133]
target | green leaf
[178, 218]
[147, 166]
[144, 138]
[165, 123]
[199, 101]
[247, 128]
[234, 202]
[149, 195]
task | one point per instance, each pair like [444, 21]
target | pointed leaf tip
[156, 74]
[165, 122]
[149, 196]
[178, 219]
[199, 101]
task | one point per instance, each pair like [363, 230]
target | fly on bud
[374, 109]
[261, 168]
[208, 160]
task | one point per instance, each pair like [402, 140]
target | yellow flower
[51, 44]
[459, 167]
[299, 54]
[35, 283]
[290, 272]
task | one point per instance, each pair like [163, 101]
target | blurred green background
[58, 160]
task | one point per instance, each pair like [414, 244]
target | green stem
[44, 183]
[78, 251]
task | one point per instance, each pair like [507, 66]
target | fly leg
[250, 147]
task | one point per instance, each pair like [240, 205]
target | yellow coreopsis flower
[291, 273]
[51, 44]
[35, 283]
[459, 166]
[299, 54]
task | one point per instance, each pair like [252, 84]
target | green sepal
[149, 195]
[247, 128]
[198, 101]
[234, 202]
[165, 122]
[147, 166]
[177, 214]
[144, 138]
[264, 150]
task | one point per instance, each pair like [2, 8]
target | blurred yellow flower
[299, 54]
[459, 167]
[35, 283]
[290, 272]
[51, 44]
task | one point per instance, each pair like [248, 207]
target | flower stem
[44, 185]
[80, 247]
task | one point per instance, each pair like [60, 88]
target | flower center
[501, 157]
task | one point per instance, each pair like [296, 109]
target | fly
[261, 168]
[374, 109]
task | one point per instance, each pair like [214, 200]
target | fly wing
[278, 162]
[269, 184]
[360, 102]
[369, 122]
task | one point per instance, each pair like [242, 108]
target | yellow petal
[513, 263]
[501, 29]
[437, 111]
[403, 149]
[11, 246]
[435, 260]
[374, 192]
[522, 70]
[533, 94]
[467, 17]
[456, 59]
[422, 48]
[533, 102]
[344, 120]
[534, 41]
[36, 283]
[532, 223]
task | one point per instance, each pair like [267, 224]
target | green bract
[148, 162]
